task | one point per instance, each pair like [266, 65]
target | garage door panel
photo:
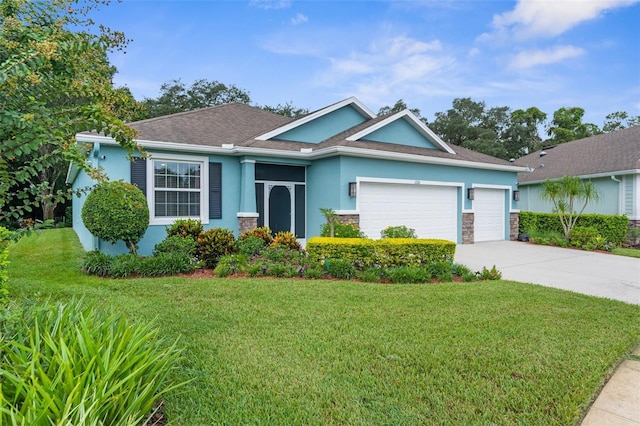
[430, 210]
[489, 214]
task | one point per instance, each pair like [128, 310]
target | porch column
[247, 214]
[248, 187]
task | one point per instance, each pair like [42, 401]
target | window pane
[177, 188]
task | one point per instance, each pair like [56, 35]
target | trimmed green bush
[215, 243]
[185, 227]
[398, 232]
[116, 211]
[612, 227]
[409, 275]
[231, 264]
[72, 365]
[177, 244]
[341, 230]
[125, 265]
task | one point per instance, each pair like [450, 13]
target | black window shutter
[215, 190]
[139, 174]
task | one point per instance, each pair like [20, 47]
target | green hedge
[389, 252]
[612, 227]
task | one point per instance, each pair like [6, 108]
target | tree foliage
[288, 110]
[176, 97]
[567, 125]
[619, 120]
[54, 83]
[399, 106]
[569, 196]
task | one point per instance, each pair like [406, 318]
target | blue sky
[519, 54]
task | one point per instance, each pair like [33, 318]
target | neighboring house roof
[239, 129]
[616, 152]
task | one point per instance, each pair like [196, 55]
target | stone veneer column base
[467, 228]
[353, 219]
[247, 223]
[514, 226]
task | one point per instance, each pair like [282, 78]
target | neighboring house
[237, 167]
[611, 161]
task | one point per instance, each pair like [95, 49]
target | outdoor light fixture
[471, 193]
[352, 189]
[516, 195]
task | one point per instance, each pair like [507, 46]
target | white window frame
[204, 188]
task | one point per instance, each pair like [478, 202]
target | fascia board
[318, 154]
[591, 176]
[349, 101]
[413, 120]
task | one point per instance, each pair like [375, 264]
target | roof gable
[402, 128]
[323, 124]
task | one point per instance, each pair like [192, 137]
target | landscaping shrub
[5, 238]
[262, 232]
[341, 230]
[97, 263]
[586, 238]
[280, 261]
[171, 263]
[464, 272]
[370, 275]
[612, 227]
[215, 243]
[409, 275]
[398, 232]
[250, 245]
[340, 268]
[70, 365]
[116, 211]
[125, 265]
[314, 273]
[489, 274]
[231, 264]
[177, 244]
[185, 227]
[286, 239]
[442, 270]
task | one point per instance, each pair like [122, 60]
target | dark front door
[279, 209]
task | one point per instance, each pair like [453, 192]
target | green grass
[277, 351]
[631, 252]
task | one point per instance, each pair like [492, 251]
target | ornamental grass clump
[68, 364]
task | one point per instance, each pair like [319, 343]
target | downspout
[620, 193]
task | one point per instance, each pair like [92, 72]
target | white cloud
[270, 4]
[535, 18]
[299, 19]
[532, 58]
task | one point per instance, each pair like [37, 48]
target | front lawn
[278, 351]
[630, 252]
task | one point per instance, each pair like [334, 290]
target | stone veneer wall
[247, 223]
[514, 226]
[467, 228]
[633, 241]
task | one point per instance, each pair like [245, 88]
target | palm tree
[566, 194]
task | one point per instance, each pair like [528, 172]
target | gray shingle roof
[230, 123]
[240, 124]
[606, 153]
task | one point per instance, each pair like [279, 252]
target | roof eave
[589, 176]
[313, 154]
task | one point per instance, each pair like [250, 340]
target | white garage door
[430, 210]
[489, 214]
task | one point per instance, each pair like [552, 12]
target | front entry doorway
[279, 213]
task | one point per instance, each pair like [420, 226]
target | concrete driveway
[595, 274]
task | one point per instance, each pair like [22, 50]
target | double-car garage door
[432, 210]
[429, 209]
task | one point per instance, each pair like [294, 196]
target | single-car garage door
[431, 210]
[489, 214]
